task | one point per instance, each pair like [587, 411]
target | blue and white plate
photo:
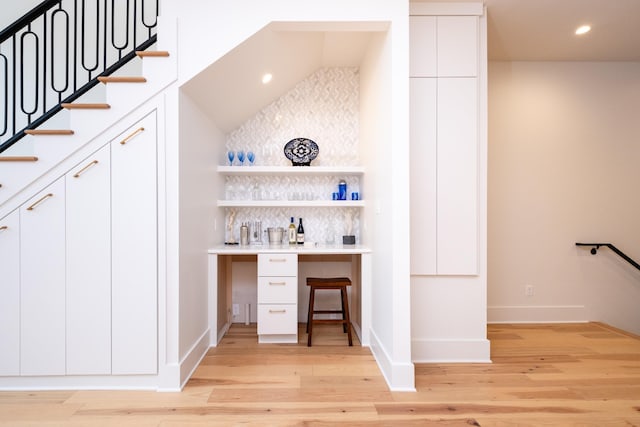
[301, 151]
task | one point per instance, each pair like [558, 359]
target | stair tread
[122, 79]
[48, 132]
[18, 159]
[148, 53]
[85, 106]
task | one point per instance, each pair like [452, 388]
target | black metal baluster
[44, 63]
[5, 75]
[36, 56]
[126, 28]
[54, 15]
[92, 68]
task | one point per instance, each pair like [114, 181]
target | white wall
[12, 10]
[200, 142]
[385, 223]
[564, 156]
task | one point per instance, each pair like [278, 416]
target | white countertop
[307, 248]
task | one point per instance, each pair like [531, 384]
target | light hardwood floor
[541, 375]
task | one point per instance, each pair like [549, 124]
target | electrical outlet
[236, 309]
[528, 290]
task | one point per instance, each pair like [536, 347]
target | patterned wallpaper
[324, 107]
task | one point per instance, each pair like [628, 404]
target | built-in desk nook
[280, 280]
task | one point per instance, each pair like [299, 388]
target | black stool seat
[322, 283]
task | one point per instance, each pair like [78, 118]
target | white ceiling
[230, 90]
[543, 30]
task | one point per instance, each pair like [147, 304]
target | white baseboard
[399, 376]
[194, 356]
[537, 314]
[450, 351]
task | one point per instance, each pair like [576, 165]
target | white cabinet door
[42, 282]
[422, 46]
[134, 250]
[88, 225]
[457, 46]
[423, 165]
[457, 201]
[10, 294]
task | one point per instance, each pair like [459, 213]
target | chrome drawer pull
[277, 260]
[278, 311]
[277, 283]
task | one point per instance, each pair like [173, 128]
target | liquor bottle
[300, 234]
[293, 235]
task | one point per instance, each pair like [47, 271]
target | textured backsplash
[324, 108]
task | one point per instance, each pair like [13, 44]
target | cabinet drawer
[277, 290]
[277, 265]
[277, 319]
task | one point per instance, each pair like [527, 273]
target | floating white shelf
[292, 203]
[291, 170]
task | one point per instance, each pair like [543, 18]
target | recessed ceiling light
[267, 78]
[583, 29]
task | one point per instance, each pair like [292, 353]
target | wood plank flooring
[542, 375]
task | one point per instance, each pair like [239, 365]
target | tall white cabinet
[444, 132]
[88, 293]
[10, 291]
[42, 282]
[134, 254]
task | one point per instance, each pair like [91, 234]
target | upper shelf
[291, 170]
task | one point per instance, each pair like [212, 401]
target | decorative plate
[301, 151]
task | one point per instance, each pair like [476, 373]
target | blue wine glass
[251, 157]
[240, 155]
[230, 155]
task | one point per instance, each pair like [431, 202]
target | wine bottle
[300, 234]
[293, 235]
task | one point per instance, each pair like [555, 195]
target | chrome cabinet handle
[42, 199]
[277, 311]
[81, 171]
[277, 260]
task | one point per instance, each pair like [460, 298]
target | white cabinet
[134, 250]
[88, 260]
[443, 46]
[457, 46]
[444, 133]
[423, 46]
[10, 292]
[457, 177]
[423, 175]
[277, 298]
[42, 282]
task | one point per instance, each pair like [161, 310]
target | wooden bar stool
[321, 283]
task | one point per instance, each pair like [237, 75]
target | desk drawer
[277, 290]
[277, 319]
[277, 264]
